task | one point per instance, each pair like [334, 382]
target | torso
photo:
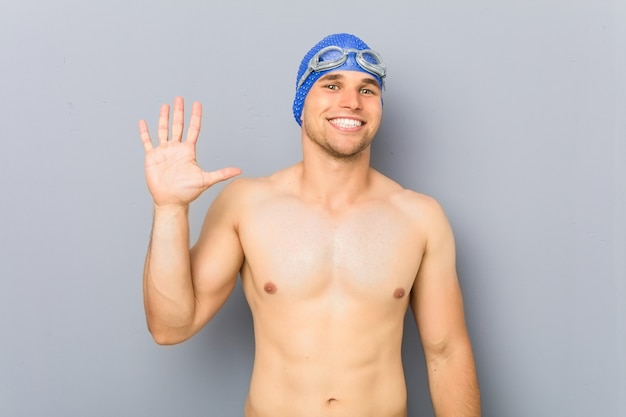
[328, 291]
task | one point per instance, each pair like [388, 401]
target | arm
[175, 300]
[437, 306]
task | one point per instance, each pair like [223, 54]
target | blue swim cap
[344, 41]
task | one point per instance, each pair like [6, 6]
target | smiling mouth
[346, 123]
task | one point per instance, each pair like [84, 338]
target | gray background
[511, 114]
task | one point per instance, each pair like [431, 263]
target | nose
[350, 99]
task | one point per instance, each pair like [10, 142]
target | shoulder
[417, 204]
[428, 220]
[408, 201]
[241, 193]
[241, 187]
[421, 210]
[246, 192]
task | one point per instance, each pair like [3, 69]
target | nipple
[270, 288]
[398, 293]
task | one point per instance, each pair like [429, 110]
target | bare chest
[302, 251]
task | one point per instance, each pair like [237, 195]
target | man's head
[338, 52]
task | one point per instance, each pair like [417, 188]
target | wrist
[170, 209]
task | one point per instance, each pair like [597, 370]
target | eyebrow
[332, 77]
[335, 77]
[370, 81]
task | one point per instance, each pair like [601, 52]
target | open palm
[172, 173]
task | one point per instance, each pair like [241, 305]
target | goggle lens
[334, 57]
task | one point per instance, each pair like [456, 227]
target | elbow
[167, 336]
[169, 329]
[437, 349]
[165, 339]
[445, 350]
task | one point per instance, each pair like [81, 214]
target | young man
[331, 253]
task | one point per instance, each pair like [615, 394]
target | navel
[270, 288]
[399, 293]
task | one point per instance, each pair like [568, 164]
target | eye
[367, 91]
[332, 87]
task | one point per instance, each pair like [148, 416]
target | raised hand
[172, 173]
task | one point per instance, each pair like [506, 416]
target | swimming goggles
[327, 59]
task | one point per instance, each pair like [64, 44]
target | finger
[194, 123]
[178, 120]
[223, 174]
[164, 119]
[145, 135]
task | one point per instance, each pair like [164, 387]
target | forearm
[168, 288]
[453, 384]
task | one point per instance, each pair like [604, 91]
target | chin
[347, 154]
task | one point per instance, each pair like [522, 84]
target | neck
[334, 182]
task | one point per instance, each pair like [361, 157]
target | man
[331, 253]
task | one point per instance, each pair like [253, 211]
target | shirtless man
[331, 253]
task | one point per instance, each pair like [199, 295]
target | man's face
[342, 113]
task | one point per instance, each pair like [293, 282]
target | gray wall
[511, 114]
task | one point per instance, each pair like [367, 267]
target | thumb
[223, 174]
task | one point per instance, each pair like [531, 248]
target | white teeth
[346, 123]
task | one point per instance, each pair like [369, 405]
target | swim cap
[314, 65]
